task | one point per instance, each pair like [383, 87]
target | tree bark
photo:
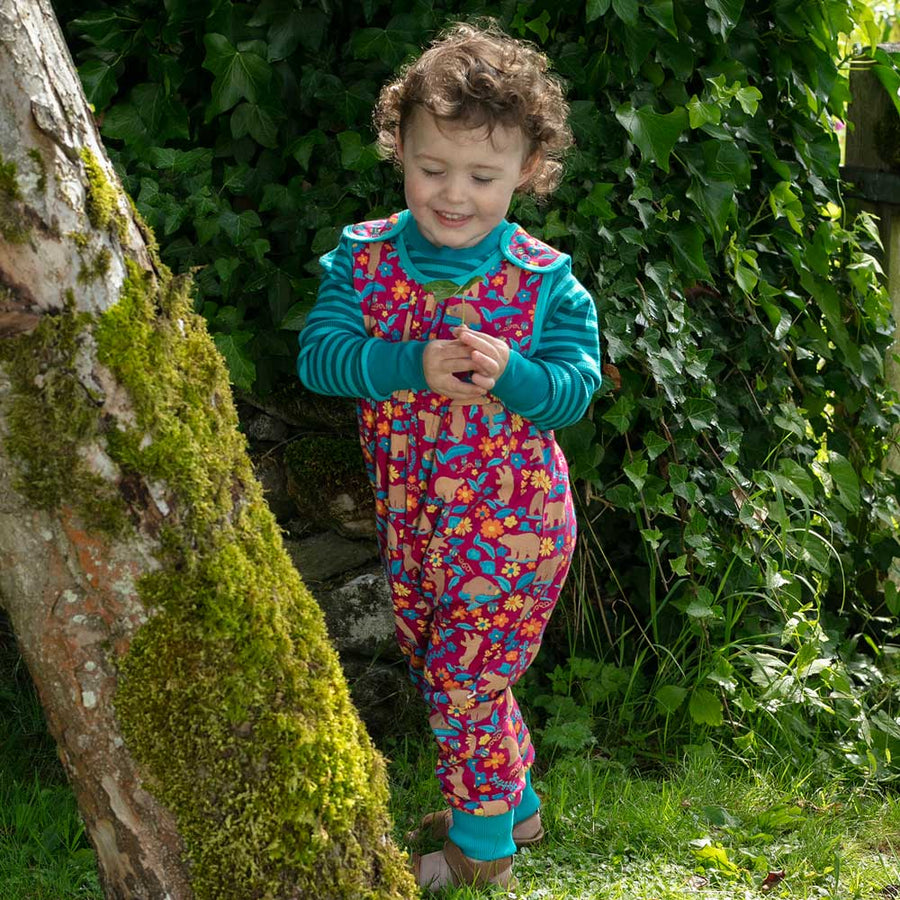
[185, 671]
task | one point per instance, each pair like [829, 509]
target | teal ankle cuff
[529, 804]
[483, 837]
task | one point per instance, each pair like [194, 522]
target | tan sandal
[450, 867]
[436, 825]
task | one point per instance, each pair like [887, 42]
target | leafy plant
[737, 519]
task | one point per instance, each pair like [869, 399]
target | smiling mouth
[451, 218]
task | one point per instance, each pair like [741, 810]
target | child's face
[458, 181]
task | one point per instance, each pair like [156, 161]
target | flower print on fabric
[474, 518]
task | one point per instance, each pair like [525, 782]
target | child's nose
[453, 190]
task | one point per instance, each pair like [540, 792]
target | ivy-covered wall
[734, 503]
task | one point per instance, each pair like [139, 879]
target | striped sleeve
[337, 357]
[554, 386]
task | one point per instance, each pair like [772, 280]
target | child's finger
[487, 365]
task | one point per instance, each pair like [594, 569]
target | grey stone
[322, 558]
[269, 471]
[383, 694]
[360, 617]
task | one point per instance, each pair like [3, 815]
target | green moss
[41, 167]
[51, 417]
[102, 198]
[81, 239]
[321, 467]
[97, 267]
[12, 226]
[231, 697]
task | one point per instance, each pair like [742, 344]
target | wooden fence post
[873, 167]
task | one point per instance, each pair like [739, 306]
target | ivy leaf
[636, 472]
[595, 8]
[99, 82]
[539, 25]
[702, 113]
[239, 226]
[252, 119]
[655, 134]
[240, 74]
[705, 708]
[626, 10]
[655, 444]
[619, 414]
[300, 26]
[663, 13]
[389, 45]
[724, 15]
[295, 318]
[241, 367]
[845, 481]
[715, 200]
[687, 244]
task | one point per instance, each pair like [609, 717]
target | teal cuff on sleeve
[396, 366]
[524, 385]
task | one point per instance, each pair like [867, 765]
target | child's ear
[398, 144]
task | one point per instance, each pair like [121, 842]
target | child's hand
[489, 355]
[440, 360]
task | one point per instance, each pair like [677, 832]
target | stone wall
[305, 451]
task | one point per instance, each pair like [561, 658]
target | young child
[467, 342]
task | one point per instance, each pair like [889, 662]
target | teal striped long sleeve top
[551, 386]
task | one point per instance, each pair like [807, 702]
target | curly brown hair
[481, 77]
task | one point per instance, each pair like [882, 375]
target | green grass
[709, 827]
[706, 828]
[44, 853]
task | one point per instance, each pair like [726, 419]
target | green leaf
[619, 414]
[626, 10]
[713, 855]
[240, 75]
[539, 25]
[295, 317]
[636, 472]
[241, 367]
[705, 708]
[724, 15]
[701, 113]
[595, 8]
[655, 444]
[386, 44]
[670, 697]
[845, 481]
[302, 148]
[679, 565]
[715, 200]
[300, 26]
[252, 119]
[595, 205]
[99, 82]
[663, 13]
[124, 122]
[655, 134]
[239, 226]
[687, 244]
[699, 412]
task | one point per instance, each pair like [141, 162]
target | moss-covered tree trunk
[185, 671]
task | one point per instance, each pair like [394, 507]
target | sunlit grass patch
[706, 828]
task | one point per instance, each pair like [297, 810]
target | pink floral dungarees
[474, 516]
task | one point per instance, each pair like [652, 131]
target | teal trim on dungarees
[483, 837]
[529, 804]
